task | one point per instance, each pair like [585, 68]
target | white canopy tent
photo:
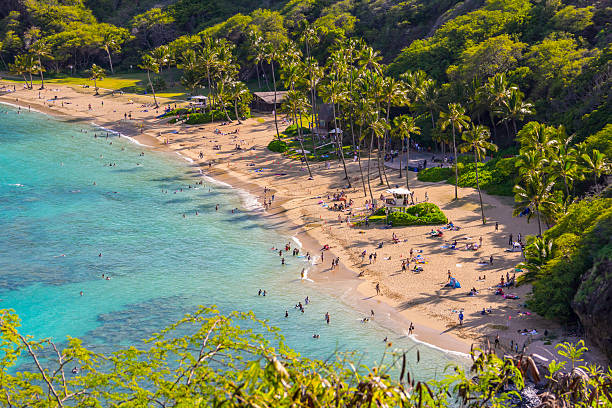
[399, 191]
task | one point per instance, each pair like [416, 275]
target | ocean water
[164, 259]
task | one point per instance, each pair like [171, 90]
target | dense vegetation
[209, 359]
[418, 214]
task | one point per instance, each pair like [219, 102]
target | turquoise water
[54, 223]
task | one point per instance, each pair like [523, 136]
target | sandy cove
[406, 297]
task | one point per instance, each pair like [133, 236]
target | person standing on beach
[496, 226]
[510, 240]
[377, 288]
[461, 318]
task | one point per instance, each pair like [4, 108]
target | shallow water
[54, 223]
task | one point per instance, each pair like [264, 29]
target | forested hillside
[530, 78]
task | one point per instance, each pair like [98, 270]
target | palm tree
[110, 42]
[596, 164]
[296, 104]
[533, 194]
[536, 136]
[208, 59]
[150, 65]
[42, 50]
[274, 53]
[404, 127]
[379, 128]
[161, 55]
[513, 108]
[96, 74]
[476, 139]
[188, 62]
[530, 163]
[334, 93]
[238, 91]
[537, 254]
[496, 92]
[458, 120]
[23, 65]
[564, 163]
[393, 92]
[314, 74]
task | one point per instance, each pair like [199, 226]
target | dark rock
[593, 305]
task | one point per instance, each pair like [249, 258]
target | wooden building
[264, 101]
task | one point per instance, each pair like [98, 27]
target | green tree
[96, 74]
[112, 38]
[41, 50]
[150, 65]
[457, 120]
[596, 164]
[514, 109]
[239, 92]
[404, 127]
[25, 64]
[476, 139]
[333, 93]
[533, 193]
[296, 104]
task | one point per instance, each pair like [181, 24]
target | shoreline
[404, 298]
[345, 282]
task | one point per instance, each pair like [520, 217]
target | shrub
[420, 214]
[278, 146]
[434, 174]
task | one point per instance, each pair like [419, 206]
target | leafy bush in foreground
[419, 214]
[209, 359]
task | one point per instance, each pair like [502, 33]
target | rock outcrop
[593, 304]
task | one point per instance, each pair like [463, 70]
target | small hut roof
[268, 97]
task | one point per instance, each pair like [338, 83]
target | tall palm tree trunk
[400, 159]
[539, 222]
[339, 144]
[152, 88]
[42, 77]
[110, 60]
[275, 113]
[236, 111]
[456, 163]
[407, 161]
[302, 145]
[484, 221]
[378, 161]
[365, 193]
[257, 73]
[370, 160]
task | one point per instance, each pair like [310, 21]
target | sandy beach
[300, 209]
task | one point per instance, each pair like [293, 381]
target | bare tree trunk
[407, 161]
[258, 79]
[484, 221]
[275, 115]
[369, 160]
[42, 77]
[236, 111]
[400, 159]
[302, 146]
[378, 161]
[340, 147]
[110, 60]
[456, 163]
[152, 88]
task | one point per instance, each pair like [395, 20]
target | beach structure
[199, 101]
[264, 101]
[400, 198]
